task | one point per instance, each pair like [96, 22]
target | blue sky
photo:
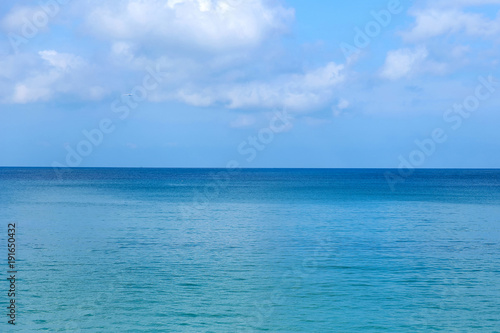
[200, 83]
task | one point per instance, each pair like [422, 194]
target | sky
[253, 83]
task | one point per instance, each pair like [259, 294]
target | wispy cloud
[305, 91]
[207, 51]
[432, 22]
[49, 74]
[403, 62]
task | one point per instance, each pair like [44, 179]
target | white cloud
[403, 62]
[343, 104]
[11, 66]
[462, 3]
[434, 22]
[50, 74]
[199, 84]
[202, 24]
[339, 108]
[211, 52]
[450, 31]
[19, 17]
[122, 51]
[298, 92]
[96, 92]
[61, 61]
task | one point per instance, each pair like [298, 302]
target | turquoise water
[201, 250]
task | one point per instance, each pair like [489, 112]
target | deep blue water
[277, 250]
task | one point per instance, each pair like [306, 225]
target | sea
[250, 250]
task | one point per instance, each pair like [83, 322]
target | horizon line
[254, 168]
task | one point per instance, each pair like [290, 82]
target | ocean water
[276, 250]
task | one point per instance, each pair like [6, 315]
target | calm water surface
[279, 250]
